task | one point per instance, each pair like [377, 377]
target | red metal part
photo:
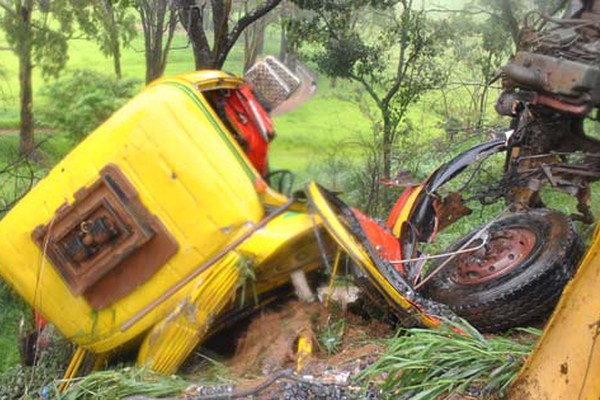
[383, 241]
[505, 250]
[251, 122]
[548, 101]
[39, 320]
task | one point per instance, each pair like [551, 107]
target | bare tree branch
[242, 24]
[478, 11]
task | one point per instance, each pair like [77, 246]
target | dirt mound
[269, 343]
[264, 364]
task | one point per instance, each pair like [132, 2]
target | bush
[82, 100]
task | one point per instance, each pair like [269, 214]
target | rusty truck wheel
[516, 278]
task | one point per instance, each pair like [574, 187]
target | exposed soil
[268, 344]
[267, 351]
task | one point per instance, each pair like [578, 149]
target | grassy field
[324, 120]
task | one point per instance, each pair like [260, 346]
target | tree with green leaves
[491, 33]
[37, 32]
[211, 51]
[508, 15]
[387, 46]
[110, 24]
[484, 47]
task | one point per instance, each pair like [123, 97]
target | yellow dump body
[170, 168]
[565, 364]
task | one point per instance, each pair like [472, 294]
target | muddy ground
[261, 355]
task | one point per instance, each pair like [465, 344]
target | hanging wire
[481, 234]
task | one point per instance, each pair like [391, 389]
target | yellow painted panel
[566, 362]
[188, 172]
[359, 254]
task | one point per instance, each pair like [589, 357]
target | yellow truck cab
[147, 228]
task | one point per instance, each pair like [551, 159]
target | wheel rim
[505, 250]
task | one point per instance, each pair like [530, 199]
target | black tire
[528, 289]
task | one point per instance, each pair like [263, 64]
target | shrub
[80, 101]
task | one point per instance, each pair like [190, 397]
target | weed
[247, 278]
[330, 336]
[432, 363]
[121, 383]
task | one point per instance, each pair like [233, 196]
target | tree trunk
[254, 43]
[191, 16]
[27, 143]
[117, 60]
[153, 67]
[114, 38]
[192, 19]
[157, 18]
[283, 45]
[221, 11]
[483, 98]
[387, 147]
[511, 21]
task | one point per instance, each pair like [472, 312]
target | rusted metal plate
[578, 82]
[450, 210]
[106, 243]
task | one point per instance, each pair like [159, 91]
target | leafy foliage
[390, 48]
[110, 24]
[37, 32]
[47, 35]
[429, 363]
[79, 102]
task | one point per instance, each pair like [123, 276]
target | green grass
[122, 383]
[308, 135]
[13, 308]
[455, 359]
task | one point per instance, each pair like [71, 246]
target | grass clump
[121, 383]
[331, 336]
[28, 382]
[435, 363]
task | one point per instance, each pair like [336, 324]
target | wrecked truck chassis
[389, 262]
[379, 277]
[118, 289]
[170, 167]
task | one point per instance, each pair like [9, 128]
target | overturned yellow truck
[157, 224]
